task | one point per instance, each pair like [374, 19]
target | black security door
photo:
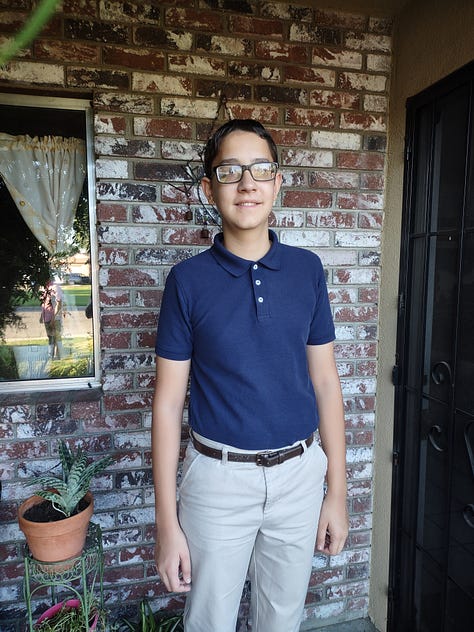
[432, 561]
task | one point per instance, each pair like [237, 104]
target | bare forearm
[168, 402]
[332, 432]
[165, 451]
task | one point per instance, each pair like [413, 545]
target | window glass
[47, 281]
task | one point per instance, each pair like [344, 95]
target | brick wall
[155, 72]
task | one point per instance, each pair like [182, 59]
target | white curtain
[45, 177]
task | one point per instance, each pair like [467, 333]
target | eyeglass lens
[260, 171]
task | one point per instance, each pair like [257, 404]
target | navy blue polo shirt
[245, 326]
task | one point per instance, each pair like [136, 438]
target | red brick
[184, 236]
[336, 100]
[162, 128]
[310, 118]
[256, 26]
[307, 199]
[133, 58]
[66, 51]
[360, 160]
[361, 201]
[116, 340]
[355, 314]
[127, 401]
[279, 51]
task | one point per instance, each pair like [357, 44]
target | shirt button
[258, 282]
[260, 299]
[255, 266]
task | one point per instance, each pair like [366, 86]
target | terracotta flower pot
[70, 604]
[59, 540]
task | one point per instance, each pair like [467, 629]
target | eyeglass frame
[249, 169]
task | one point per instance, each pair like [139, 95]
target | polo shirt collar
[236, 265]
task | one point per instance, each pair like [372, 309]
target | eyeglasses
[260, 172]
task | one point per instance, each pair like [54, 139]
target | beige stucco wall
[432, 39]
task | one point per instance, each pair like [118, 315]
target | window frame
[71, 383]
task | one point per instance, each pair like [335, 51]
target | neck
[249, 246]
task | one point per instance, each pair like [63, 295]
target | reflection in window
[46, 285]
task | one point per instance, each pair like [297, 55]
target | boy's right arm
[171, 553]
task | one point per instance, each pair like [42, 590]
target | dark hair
[235, 125]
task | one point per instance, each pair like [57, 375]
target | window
[48, 284]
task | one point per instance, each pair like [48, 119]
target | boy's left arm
[333, 522]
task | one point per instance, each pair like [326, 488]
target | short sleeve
[322, 325]
[174, 334]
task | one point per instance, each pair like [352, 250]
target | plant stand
[86, 570]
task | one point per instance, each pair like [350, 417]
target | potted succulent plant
[55, 520]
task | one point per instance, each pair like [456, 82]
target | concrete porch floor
[357, 625]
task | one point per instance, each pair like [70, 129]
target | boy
[250, 320]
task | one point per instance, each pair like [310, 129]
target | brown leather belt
[266, 459]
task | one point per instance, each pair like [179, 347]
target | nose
[246, 182]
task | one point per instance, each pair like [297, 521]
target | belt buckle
[268, 459]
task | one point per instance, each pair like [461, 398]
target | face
[243, 205]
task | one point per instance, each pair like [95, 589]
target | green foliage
[25, 266]
[65, 493]
[148, 622]
[8, 369]
[70, 619]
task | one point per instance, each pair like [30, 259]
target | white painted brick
[116, 145]
[350, 557]
[164, 84]
[369, 41]
[128, 235]
[111, 168]
[364, 81]
[229, 46]
[305, 158]
[112, 500]
[115, 382]
[359, 454]
[33, 72]
[353, 239]
[130, 440]
[340, 59]
[375, 103]
[302, 238]
[181, 150]
[345, 332]
[331, 258]
[324, 611]
[289, 218]
[194, 108]
[379, 63]
[336, 140]
[136, 516]
[195, 65]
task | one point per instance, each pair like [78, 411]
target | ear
[277, 185]
[207, 188]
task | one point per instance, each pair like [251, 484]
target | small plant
[68, 616]
[148, 622]
[66, 492]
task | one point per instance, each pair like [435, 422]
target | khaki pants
[241, 519]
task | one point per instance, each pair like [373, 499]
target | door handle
[440, 371]
[433, 434]
[468, 515]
